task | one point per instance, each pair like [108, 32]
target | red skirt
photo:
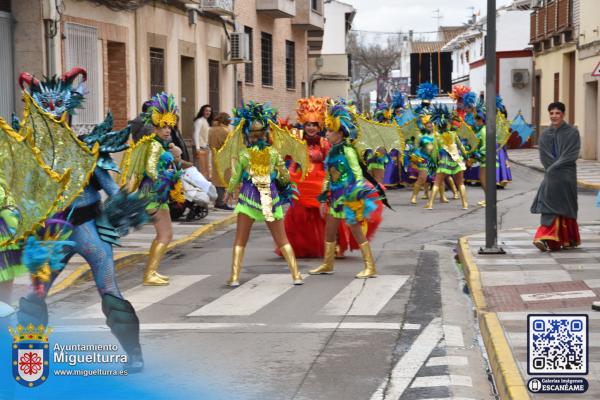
[563, 232]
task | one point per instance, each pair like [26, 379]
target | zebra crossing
[424, 366]
[358, 298]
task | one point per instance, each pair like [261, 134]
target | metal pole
[491, 211]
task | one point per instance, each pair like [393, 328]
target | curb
[509, 382]
[126, 259]
[580, 183]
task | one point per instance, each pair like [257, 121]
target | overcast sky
[418, 15]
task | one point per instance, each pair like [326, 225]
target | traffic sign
[596, 71]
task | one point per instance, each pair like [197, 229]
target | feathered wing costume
[345, 190]
[29, 194]
[93, 226]
[149, 168]
[259, 168]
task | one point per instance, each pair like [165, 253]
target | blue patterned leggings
[98, 254]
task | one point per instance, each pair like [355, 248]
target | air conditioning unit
[519, 77]
[220, 7]
[239, 48]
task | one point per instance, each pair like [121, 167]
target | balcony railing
[309, 16]
[221, 7]
[554, 18]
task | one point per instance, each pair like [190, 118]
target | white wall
[515, 99]
[334, 38]
[512, 30]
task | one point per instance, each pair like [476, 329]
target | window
[5, 5]
[290, 65]
[266, 58]
[81, 50]
[7, 103]
[249, 67]
[157, 70]
[314, 4]
[214, 95]
[467, 56]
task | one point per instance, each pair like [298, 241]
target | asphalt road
[408, 334]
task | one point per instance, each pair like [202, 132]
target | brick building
[190, 48]
[281, 34]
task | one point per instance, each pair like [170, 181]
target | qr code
[557, 344]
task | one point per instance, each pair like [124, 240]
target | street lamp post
[491, 211]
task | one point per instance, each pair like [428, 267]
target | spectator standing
[202, 124]
[216, 138]
[556, 199]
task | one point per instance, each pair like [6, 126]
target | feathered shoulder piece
[160, 110]
[110, 142]
[256, 116]
[427, 91]
[383, 113]
[459, 91]
[441, 115]
[312, 109]
[339, 117]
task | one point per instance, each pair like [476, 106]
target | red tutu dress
[303, 224]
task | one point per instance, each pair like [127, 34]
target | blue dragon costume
[74, 220]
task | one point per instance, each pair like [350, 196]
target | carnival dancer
[304, 226]
[265, 184]
[92, 227]
[151, 170]
[556, 199]
[447, 151]
[377, 160]
[422, 160]
[503, 173]
[344, 191]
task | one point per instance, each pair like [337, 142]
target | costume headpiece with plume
[427, 91]
[459, 91]
[397, 100]
[339, 118]
[160, 111]
[256, 117]
[441, 116]
[312, 109]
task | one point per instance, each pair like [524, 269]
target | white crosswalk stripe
[459, 361]
[453, 336]
[142, 296]
[249, 297]
[442, 380]
[365, 297]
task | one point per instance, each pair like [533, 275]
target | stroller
[198, 193]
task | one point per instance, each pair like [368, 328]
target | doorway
[117, 83]
[591, 120]
[188, 96]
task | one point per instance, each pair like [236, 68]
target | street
[408, 334]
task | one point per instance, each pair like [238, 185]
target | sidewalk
[588, 171]
[134, 247]
[505, 288]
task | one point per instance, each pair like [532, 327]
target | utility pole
[491, 210]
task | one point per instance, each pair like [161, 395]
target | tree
[372, 60]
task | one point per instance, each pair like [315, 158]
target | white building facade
[514, 58]
[330, 72]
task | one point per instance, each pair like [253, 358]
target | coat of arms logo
[30, 354]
